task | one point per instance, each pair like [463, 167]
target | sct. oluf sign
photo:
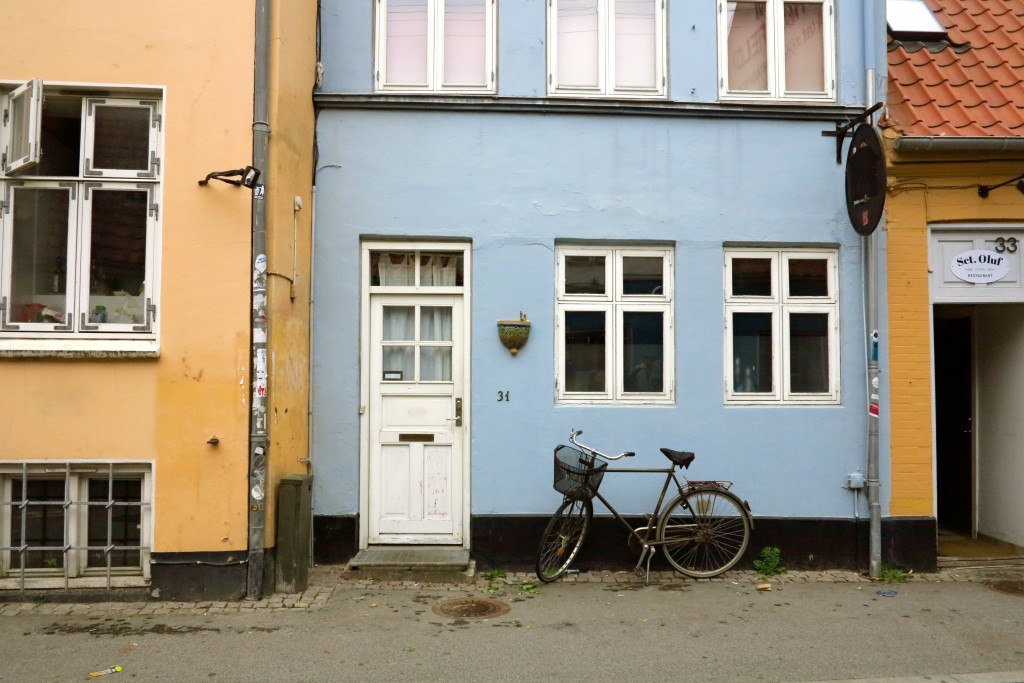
[980, 266]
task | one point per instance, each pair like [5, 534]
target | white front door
[416, 401]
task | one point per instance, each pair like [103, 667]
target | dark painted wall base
[510, 542]
[206, 575]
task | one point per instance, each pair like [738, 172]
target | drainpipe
[871, 322]
[258, 439]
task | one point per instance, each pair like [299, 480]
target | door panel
[416, 440]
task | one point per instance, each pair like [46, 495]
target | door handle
[458, 412]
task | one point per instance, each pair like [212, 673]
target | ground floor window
[80, 523]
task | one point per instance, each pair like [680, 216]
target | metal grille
[75, 520]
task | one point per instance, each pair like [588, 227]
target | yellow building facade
[126, 331]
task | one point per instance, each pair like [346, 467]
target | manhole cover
[471, 608]
[1008, 587]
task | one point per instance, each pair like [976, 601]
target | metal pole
[258, 439]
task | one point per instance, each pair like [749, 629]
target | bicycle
[703, 531]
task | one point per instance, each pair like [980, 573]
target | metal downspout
[871, 323]
[258, 439]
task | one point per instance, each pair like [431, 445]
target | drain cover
[471, 608]
[1008, 587]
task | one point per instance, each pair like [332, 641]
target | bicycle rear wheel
[563, 538]
[704, 532]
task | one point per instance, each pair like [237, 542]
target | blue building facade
[647, 182]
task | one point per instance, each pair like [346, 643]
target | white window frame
[614, 304]
[780, 304]
[606, 56]
[76, 333]
[775, 24]
[77, 573]
[435, 53]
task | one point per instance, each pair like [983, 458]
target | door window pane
[577, 43]
[635, 47]
[399, 323]
[752, 352]
[751, 277]
[805, 47]
[117, 258]
[642, 275]
[121, 138]
[43, 519]
[406, 60]
[436, 363]
[399, 363]
[436, 323]
[808, 352]
[748, 46]
[584, 275]
[643, 351]
[440, 269]
[465, 42]
[392, 269]
[124, 522]
[38, 253]
[585, 351]
[808, 277]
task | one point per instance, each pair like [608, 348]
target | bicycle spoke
[704, 533]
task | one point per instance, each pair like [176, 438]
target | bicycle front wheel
[704, 532]
[563, 538]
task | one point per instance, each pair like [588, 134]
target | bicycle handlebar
[593, 451]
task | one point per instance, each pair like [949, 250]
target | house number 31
[1008, 244]
[503, 396]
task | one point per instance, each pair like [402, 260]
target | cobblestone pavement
[327, 580]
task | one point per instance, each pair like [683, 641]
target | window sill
[79, 348]
[616, 403]
[776, 403]
[12, 582]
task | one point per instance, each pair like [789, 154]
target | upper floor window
[614, 322]
[606, 47]
[79, 211]
[782, 326]
[776, 49]
[435, 46]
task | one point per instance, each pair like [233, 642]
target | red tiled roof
[971, 85]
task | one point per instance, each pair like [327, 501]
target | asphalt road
[566, 632]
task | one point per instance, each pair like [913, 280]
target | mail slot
[407, 438]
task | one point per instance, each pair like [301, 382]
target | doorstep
[413, 563]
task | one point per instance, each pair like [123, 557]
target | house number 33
[503, 396]
[1007, 244]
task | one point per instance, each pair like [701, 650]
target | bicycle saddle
[681, 458]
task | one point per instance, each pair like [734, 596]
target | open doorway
[954, 408]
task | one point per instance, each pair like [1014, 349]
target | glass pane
[751, 277]
[399, 363]
[748, 46]
[117, 260]
[121, 138]
[635, 46]
[392, 269]
[643, 351]
[643, 275]
[577, 24]
[406, 42]
[465, 42]
[808, 352]
[584, 275]
[436, 323]
[808, 277]
[20, 114]
[584, 351]
[440, 269]
[40, 245]
[125, 522]
[436, 363]
[752, 352]
[44, 524]
[805, 47]
[399, 323]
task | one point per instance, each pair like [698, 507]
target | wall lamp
[246, 177]
[983, 190]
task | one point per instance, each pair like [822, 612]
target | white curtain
[439, 270]
[436, 326]
[396, 270]
[399, 325]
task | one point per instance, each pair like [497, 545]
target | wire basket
[577, 475]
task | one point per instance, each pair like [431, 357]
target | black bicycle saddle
[681, 458]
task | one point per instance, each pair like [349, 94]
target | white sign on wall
[980, 266]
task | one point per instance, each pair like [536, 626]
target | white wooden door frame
[366, 247]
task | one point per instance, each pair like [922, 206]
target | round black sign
[865, 180]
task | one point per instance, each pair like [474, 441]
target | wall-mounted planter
[514, 333]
